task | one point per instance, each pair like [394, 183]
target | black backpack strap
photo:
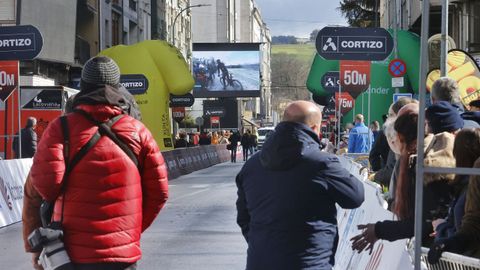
[105, 129]
[70, 164]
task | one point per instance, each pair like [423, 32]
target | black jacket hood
[286, 146]
[473, 116]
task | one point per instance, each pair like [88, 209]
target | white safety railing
[450, 261]
[355, 164]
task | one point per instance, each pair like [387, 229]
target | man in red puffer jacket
[109, 201]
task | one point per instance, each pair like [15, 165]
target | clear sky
[299, 17]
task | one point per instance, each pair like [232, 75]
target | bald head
[409, 108]
[304, 112]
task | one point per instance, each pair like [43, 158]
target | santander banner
[8, 78]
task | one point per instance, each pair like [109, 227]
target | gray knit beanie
[101, 70]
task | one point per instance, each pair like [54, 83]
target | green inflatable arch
[380, 79]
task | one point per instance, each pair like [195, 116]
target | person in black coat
[379, 154]
[182, 141]
[28, 139]
[234, 139]
[246, 144]
[287, 194]
[204, 139]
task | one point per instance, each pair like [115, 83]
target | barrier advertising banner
[13, 174]
[385, 255]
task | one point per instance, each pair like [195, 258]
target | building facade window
[474, 35]
[132, 4]
[107, 34]
[116, 25]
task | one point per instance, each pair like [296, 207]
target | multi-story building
[124, 22]
[464, 22]
[74, 31]
[167, 12]
[237, 22]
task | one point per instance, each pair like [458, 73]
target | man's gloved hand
[435, 252]
[456, 244]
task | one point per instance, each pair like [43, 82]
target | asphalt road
[195, 230]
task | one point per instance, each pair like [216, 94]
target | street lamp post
[178, 15]
[173, 43]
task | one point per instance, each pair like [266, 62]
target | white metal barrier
[450, 261]
[13, 174]
[386, 255]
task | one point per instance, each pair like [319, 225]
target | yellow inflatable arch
[167, 73]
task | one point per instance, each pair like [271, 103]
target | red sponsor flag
[178, 114]
[345, 101]
[215, 120]
[8, 78]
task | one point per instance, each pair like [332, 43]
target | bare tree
[289, 76]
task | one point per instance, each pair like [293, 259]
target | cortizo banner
[348, 43]
[136, 84]
[21, 42]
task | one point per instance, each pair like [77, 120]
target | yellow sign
[463, 69]
[167, 73]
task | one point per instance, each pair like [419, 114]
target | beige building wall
[464, 22]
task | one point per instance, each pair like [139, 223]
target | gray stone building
[164, 14]
[229, 21]
[464, 22]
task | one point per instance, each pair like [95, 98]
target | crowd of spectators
[451, 203]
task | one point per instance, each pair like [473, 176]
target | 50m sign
[8, 78]
[354, 77]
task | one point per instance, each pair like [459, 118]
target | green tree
[284, 40]
[360, 13]
[188, 121]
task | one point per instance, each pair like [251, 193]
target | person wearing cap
[109, 201]
[474, 113]
[474, 106]
[446, 89]
[28, 139]
[443, 117]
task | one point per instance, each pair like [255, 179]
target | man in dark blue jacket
[287, 194]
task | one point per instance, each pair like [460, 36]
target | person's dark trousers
[233, 154]
[245, 153]
[105, 266]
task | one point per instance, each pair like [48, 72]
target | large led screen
[226, 70]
